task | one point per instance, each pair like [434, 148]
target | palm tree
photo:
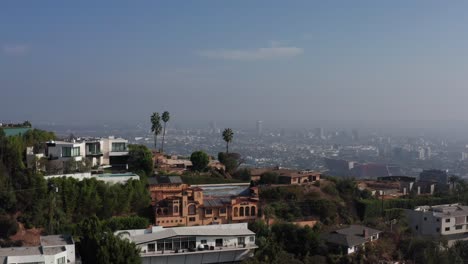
[165, 119]
[227, 136]
[155, 127]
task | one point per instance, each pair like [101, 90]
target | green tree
[199, 160]
[97, 244]
[227, 136]
[231, 161]
[140, 159]
[165, 119]
[155, 127]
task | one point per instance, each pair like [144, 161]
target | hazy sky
[231, 61]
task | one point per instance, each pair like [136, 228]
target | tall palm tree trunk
[164, 133]
[227, 147]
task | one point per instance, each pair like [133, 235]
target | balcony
[94, 153]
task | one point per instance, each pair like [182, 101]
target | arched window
[236, 211]
[252, 213]
[165, 211]
[158, 211]
[191, 209]
[241, 213]
[176, 209]
[247, 211]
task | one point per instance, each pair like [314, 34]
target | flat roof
[20, 251]
[226, 230]
[56, 240]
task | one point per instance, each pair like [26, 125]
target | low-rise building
[448, 220]
[349, 240]
[109, 151]
[229, 243]
[176, 204]
[287, 176]
[56, 249]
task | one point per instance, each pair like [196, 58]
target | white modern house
[109, 151]
[195, 244]
[56, 249]
[448, 220]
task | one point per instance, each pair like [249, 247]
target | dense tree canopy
[140, 160]
[97, 244]
[199, 160]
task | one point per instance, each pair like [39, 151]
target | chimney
[365, 233]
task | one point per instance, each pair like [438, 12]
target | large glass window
[119, 147]
[241, 240]
[219, 242]
[176, 243]
[70, 152]
[94, 148]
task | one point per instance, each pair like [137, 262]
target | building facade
[448, 220]
[178, 204]
[109, 151]
[230, 243]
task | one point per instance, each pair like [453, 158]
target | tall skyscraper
[259, 127]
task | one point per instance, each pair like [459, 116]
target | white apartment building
[194, 244]
[101, 151]
[56, 249]
[448, 220]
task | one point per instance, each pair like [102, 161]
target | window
[241, 213]
[176, 209]
[222, 210]
[191, 209]
[151, 247]
[252, 209]
[241, 240]
[208, 211]
[447, 229]
[438, 220]
[61, 260]
[236, 211]
[458, 227]
[425, 218]
[219, 242]
[247, 211]
[447, 220]
[119, 147]
[203, 241]
[70, 152]
[416, 227]
[438, 230]
[191, 219]
[252, 239]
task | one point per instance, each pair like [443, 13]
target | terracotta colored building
[178, 204]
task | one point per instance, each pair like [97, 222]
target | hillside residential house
[56, 249]
[230, 243]
[287, 176]
[176, 203]
[448, 220]
[349, 240]
[109, 151]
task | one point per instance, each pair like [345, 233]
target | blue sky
[233, 61]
